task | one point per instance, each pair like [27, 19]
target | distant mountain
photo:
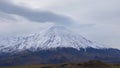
[56, 36]
[54, 45]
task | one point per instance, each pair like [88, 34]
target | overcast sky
[97, 20]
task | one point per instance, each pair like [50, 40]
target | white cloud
[83, 11]
[19, 25]
[37, 4]
[34, 15]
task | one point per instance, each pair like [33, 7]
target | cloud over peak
[33, 15]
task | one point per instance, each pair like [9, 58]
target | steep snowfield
[56, 36]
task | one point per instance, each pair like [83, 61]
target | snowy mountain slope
[56, 36]
[52, 46]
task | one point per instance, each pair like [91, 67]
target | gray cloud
[97, 20]
[38, 16]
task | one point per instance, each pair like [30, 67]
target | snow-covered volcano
[55, 36]
[53, 45]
